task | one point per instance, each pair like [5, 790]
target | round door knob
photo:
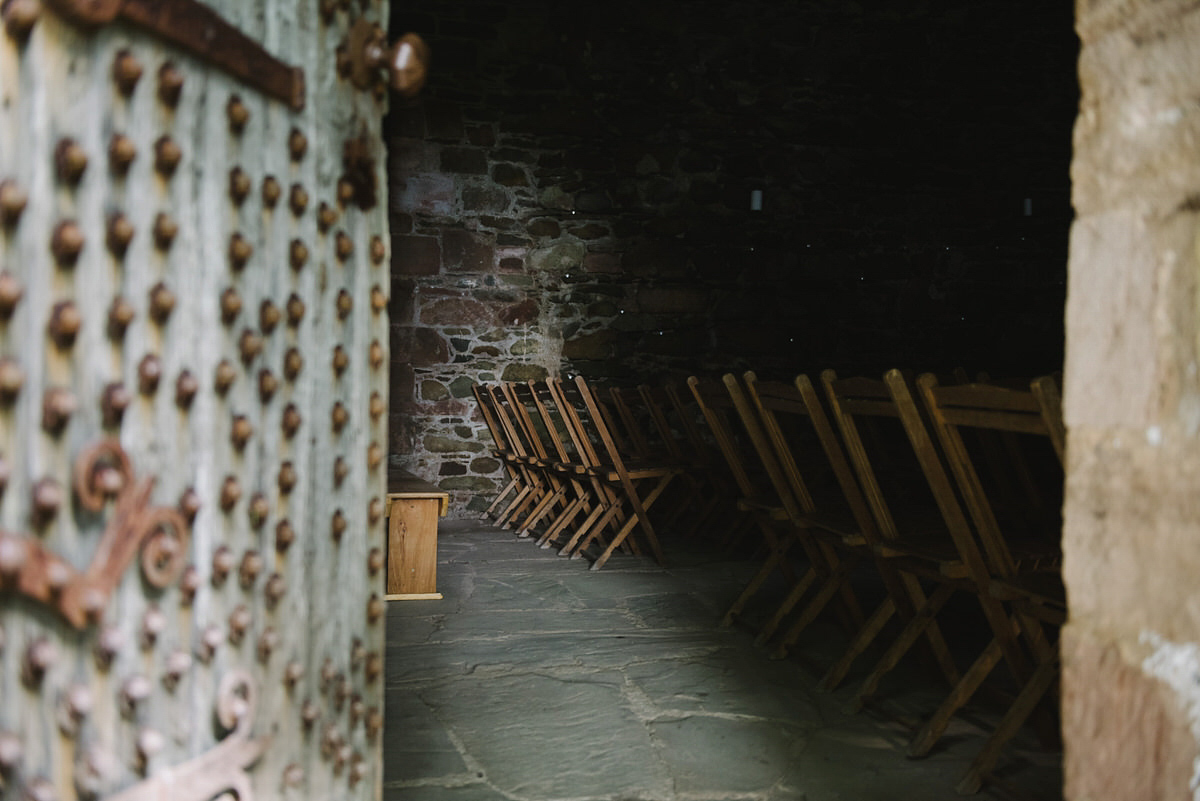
[406, 61]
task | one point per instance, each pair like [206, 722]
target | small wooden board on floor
[413, 508]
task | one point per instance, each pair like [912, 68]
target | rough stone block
[545, 227]
[562, 257]
[419, 347]
[1131, 523]
[590, 231]
[485, 199]
[593, 201]
[481, 135]
[464, 251]
[402, 438]
[509, 175]
[416, 255]
[524, 372]
[591, 346]
[522, 313]
[431, 194]
[462, 387]
[401, 223]
[1102, 290]
[468, 483]
[602, 263]
[1128, 736]
[439, 443]
[400, 304]
[402, 384]
[484, 465]
[465, 160]
[408, 156]
[555, 197]
[457, 311]
[434, 391]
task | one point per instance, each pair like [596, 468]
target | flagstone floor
[535, 679]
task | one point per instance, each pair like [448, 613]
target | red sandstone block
[418, 347]
[520, 313]
[416, 255]
[467, 252]
[462, 312]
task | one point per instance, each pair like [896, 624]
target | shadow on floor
[536, 679]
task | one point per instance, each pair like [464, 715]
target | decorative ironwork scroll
[220, 770]
[102, 472]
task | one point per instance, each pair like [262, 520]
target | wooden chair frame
[1030, 606]
[510, 455]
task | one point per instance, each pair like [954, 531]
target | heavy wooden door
[193, 274]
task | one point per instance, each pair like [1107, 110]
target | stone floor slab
[730, 756]
[534, 736]
[535, 679]
[424, 749]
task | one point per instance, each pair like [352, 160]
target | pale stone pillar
[1131, 684]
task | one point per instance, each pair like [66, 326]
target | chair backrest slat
[978, 406]
[716, 406]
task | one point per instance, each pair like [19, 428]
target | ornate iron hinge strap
[198, 29]
[101, 472]
[220, 770]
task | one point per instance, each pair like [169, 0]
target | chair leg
[933, 633]
[902, 644]
[562, 521]
[542, 508]
[509, 487]
[789, 602]
[870, 630]
[775, 559]
[1026, 701]
[514, 506]
[932, 730]
[636, 518]
[831, 586]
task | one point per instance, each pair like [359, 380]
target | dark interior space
[572, 191]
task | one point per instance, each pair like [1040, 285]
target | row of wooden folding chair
[1019, 565]
[921, 558]
[785, 515]
[577, 478]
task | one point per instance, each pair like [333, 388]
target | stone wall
[1131, 652]
[572, 193]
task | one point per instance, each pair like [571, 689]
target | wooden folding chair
[785, 423]
[650, 439]
[911, 545]
[615, 483]
[544, 457]
[524, 457]
[568, 463]
[762, 507]
[701, 498]
[1021, 566]
[631, 476]
[519, 482]
[607, 513]
[721, 517]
